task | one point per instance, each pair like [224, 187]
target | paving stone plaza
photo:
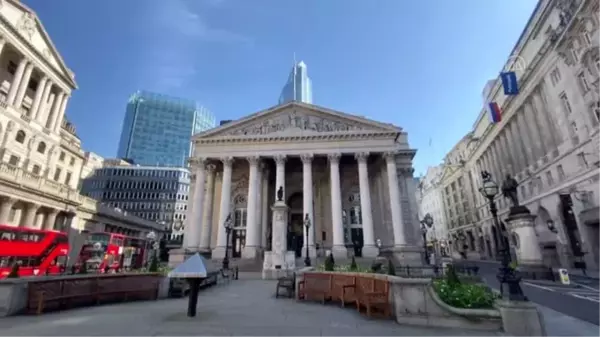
[244, 307]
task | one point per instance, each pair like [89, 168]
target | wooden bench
[70, 292]
[287, 283]
[372, 294]
[315, 286]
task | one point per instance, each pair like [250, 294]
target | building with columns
[351, 177]
[548, 140]
[41, 158]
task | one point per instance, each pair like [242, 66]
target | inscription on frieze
[297, 121]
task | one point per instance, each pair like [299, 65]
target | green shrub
[353, 265]
[464, 295]
[329, 263]
[83, 269]
[14, 271]
[391, 270]
[153, 264]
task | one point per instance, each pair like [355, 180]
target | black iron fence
[435, 271]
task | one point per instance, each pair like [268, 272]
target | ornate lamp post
[307, 225]
[551, 226]
[426, 223]
[151, 238]
[378, 243]
[228, 227]
[506, 274]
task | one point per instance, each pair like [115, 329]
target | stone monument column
[521, 224]
[369, 249]
[208, 210]
[252, 245]
[224, 209]
[307, 198]
[339, 248]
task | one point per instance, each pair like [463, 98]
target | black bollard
[193, 296]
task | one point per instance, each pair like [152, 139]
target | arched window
[41, 147]
[20, 136]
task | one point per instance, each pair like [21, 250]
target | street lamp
[378, 243]
[426, 223]
[506, 274]
[228, 227]
[307, 225]
[150, 238]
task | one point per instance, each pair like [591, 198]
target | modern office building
[298, 86]
[157, 129]
[158, 194]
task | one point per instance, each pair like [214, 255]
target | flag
[495, 112]
[510, 83]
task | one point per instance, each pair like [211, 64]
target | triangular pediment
[27, 25]
[296, 118]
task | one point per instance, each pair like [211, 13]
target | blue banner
[510, 83]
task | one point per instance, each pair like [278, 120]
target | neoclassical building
[350, 176]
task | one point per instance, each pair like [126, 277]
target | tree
[451, 276]
[153, 264]
[329, 263]
[14, 272]
[353, 266]
[391, 268]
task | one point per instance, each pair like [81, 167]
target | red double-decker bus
[104, 252]
[38, 252]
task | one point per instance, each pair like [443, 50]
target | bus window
[60, 261]
[117, 241]
[5, 262]
[102, 238]
[7, 235]
[29, 237]
[25, 261]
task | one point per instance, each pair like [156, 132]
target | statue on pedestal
[280, 193]
[509, 190]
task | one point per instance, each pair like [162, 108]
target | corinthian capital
[227, 161]
[253, 160]
[210, 168]
[307, 158]
[279, 159]
[390, 156]
[361, 157]
[334, 157]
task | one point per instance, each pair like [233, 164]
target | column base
[312, 252]
[370, 251]
[218, 253]
[339, 252]
[277, 265]
[408, 255]
[251, 252]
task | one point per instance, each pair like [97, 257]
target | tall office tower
[298, 86]
[157, 129]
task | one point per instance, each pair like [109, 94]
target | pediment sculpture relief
[295, 120]
[26, 25]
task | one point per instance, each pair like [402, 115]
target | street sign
[564, 276]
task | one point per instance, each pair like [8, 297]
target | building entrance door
[238, 241]
[295, 234]
[356, 234]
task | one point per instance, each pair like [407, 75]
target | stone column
[369, 249]
[251, 248]
[192, 229]
[39, 92]
[47, 117]
[339, 248]
[28, 220]
[23, 86]
[55, 110]
[208, 209]
[396, 206]
[61, 113]
[40, 113]
[2, 43]
[265, 209]
[50, 219]
[307, 205]
[280, 174]
[224, 209]
[539, 150]
[16, 81]
[5, 208]
[259, 204]
[525, 133]
[545, 122]
[529, 254]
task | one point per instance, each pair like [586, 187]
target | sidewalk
[589, 273]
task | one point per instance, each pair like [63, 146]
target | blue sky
[421, 65]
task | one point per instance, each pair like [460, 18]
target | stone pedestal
[312, 251]
[529, 254]
[339, 252]
[370, 251]
[521, 318]
[279, 262]
[177, 256]
[218, 253]
[408, 255]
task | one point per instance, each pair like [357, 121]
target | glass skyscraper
[157, 129]
[298, 86]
